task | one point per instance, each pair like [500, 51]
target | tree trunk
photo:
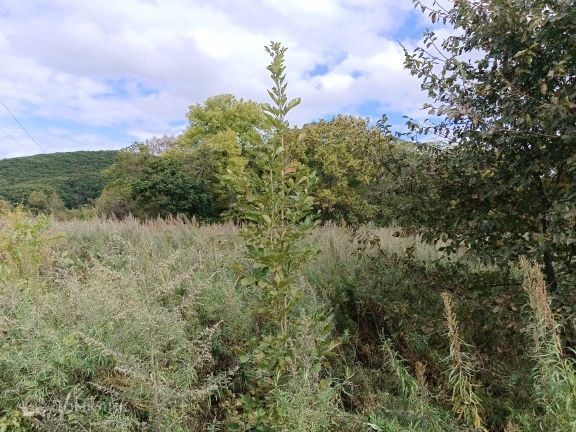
[549, 272]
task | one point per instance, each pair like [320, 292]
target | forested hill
[74, 176]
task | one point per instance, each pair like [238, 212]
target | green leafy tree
[215, 142]
[115, 201]
[210, 161]
[156, 186]
[275, 199]
[346, 154]
[224, 114]
[503, 87]
[38, 201]
[165, 188]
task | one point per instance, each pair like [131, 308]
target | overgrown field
[128, 326]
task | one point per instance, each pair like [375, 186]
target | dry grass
[138, 326]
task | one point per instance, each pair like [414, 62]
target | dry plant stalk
[555, 376]
[535, 287]
[465, 401]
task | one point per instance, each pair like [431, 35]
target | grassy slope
[75, 176]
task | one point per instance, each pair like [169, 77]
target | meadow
[112, 325]
[130, 301]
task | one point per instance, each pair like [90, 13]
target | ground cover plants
[267, 315]
[130, 326]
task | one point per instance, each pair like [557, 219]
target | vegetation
[276, 205]
[74, 354]
[73, 178]
[348, 155]
[308, 309]
[504, 93]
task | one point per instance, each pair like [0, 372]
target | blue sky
[88, 75]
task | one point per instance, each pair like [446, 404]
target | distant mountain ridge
[75, 176]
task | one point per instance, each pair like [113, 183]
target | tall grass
[126, 326]
[126, 334]
[463, 391]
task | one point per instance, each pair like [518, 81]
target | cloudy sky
[95, 74]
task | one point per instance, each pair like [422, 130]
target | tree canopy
[504, 90]
[346, 154]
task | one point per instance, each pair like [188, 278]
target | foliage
[115, 201]
[118, 340]
[464, 397]
[165, 188]
[159, 145]
[277, 205]
[555, 375]
[130, 324]
[224, 114]
[39, 202]
[275, 202]
[345, 152]
[74, 177]
[219, 133]
[25, 243]
[421, 414]
[210, 162]
[155, 186]
[504, 96]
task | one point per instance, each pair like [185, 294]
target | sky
[95, 74]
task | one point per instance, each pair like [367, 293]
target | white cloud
[135, 65]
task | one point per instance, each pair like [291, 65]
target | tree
[115, 201]
[345, 153]
[503, 88]
[210, 160]
[38, 201]
[220, 132]
[158, 145]
[224, 114]
[156, 186]
[165, 188]
[275, 202]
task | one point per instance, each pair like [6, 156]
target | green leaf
[247, 281]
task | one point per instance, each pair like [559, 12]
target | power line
[10, 136]
[22, 126]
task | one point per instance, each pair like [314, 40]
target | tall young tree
[275, 202]
[504, 88]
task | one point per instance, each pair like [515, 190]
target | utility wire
[21, 125]
[10, 136]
